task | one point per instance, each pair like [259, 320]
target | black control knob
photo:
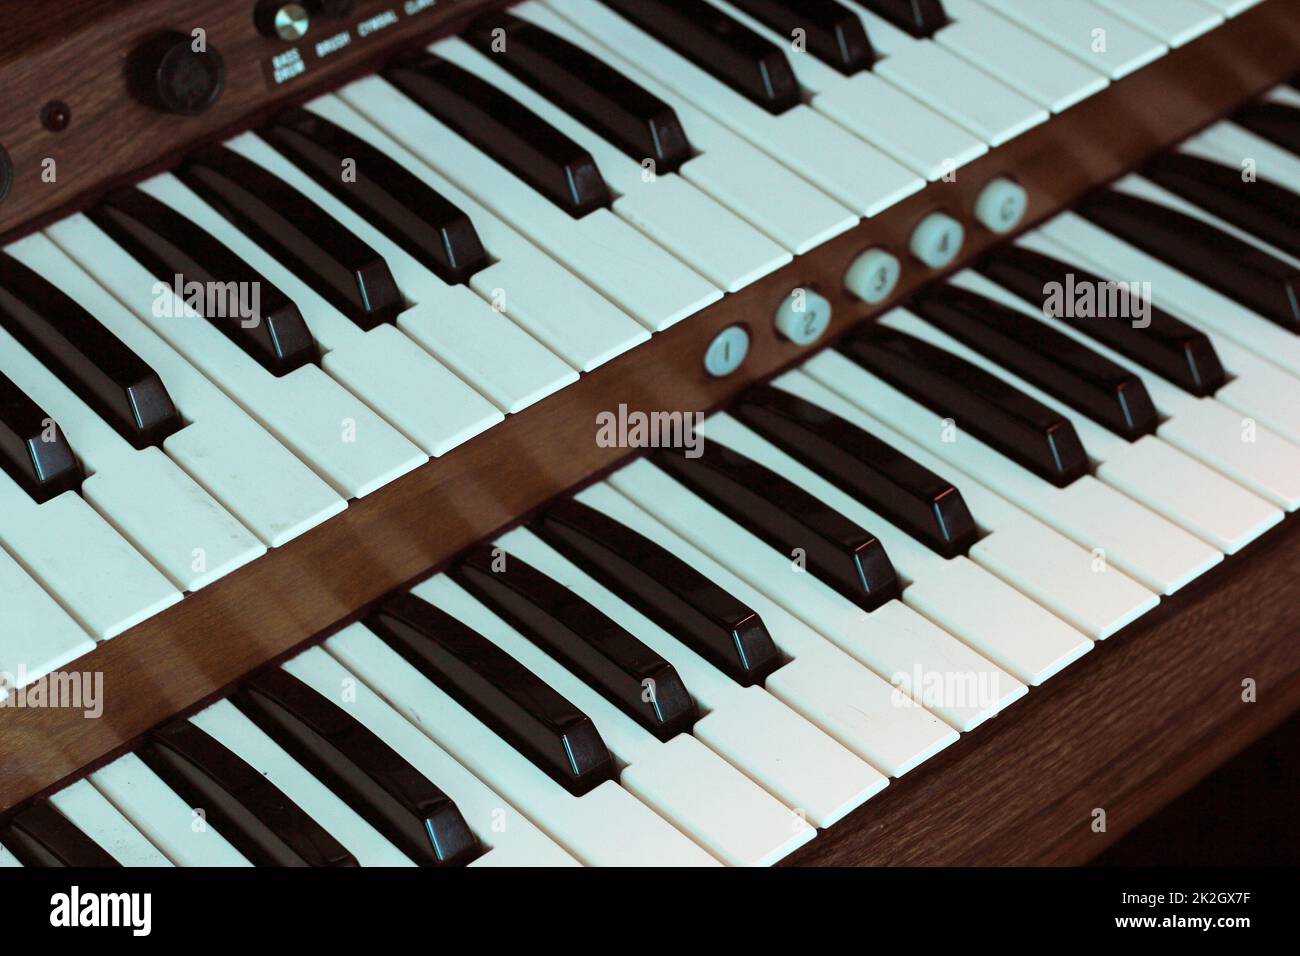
[169, 73]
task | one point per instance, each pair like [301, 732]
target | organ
[951, 571]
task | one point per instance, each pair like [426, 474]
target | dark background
[1246, 813]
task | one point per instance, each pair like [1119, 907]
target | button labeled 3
[873, 277]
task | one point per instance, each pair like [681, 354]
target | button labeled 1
[938, 240]
[873, 277]
[727, 352]
[803, 316]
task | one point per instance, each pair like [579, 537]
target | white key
[632, 272]
[687, 782]
[1259, 389]
[160, 508]
[7, 859]
[1189, 492]
[37, 637]
[670, 210]
[851, 170]
[1175, 22]
[878, 111]
[481, 344]
[1149, 548]
[835, 692]
[270, 491]
[158, 812]
[951, 85]
[1230, 8]
[82, 561]
[1285, 95]
[760, 190]
[309, 412]
[1021, 60]
[1250, 454]
[605, 827]
[1201, 500]
[1174, 291]
[770, 743]
[576, 321]
[1020, 550]
[389, 372]
[893, 641]
[1090, 34]
[227, 725]
[94, 816]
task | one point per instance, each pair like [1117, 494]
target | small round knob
[282, 21]
[874, 276]
[937, 241]
[1002, 205]
[803, 316]
[171, 74]
[727, 352]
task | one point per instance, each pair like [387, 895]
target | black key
[1167, 346]
[85, 356]
[1234, 267]
[584, 86]
[42, 836]
[384, 193]
[505, 129]
[837, 551]
[664, 588]
[309, 242]
[367, 774]
[834, 33]
[169, 245]
[1059, 365]
[252, 813]
[627, 672]
[1263, 209]
[1022, 428]
[1276, 122]
[514, 702]
[34, 452]
[907, 494]
[747, 62]
[920, 18]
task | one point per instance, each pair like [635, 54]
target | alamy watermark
[73, 690]
[1099, 300]
[212, 300]
[635, 429]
